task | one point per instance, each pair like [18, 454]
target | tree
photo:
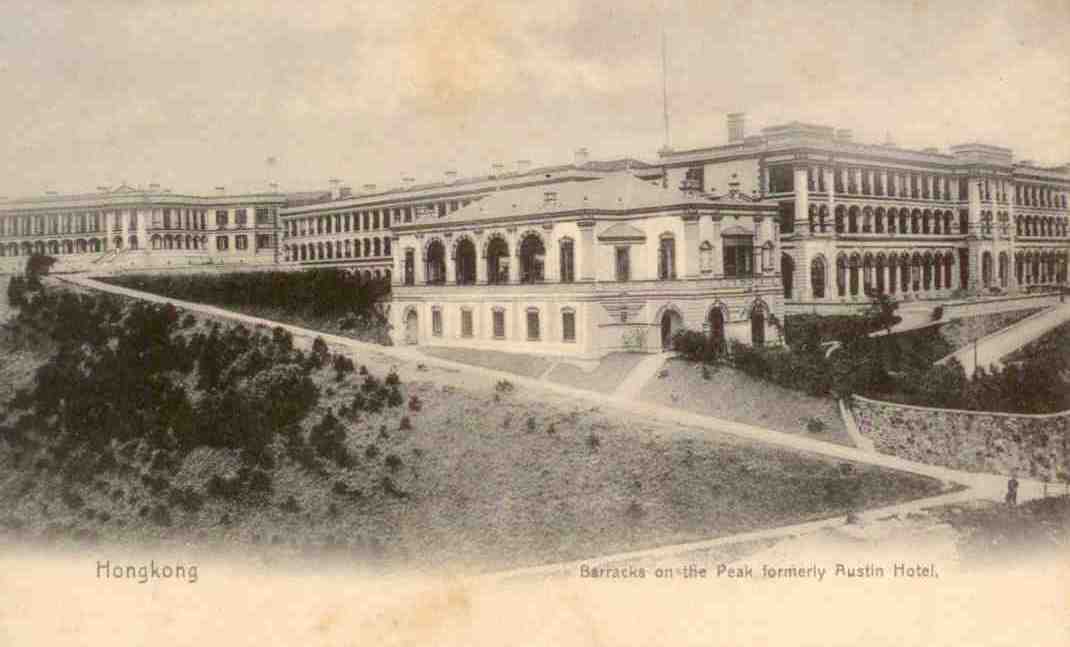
[881, 311]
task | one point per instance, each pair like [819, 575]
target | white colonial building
[583, 269]
[916, 224]
[129, 227]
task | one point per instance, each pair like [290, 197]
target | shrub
[160, 515]
[392, 378]
[290, 505]
[394, 397]
[371, 451]
[342, 366]
[189, 320]
[696, 346]
[504, 386]
[414, 403]
[593, 441]
[405, 424]
[392, 461]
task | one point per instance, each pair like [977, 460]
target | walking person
[1012, 491]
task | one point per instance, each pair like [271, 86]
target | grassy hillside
[143, 423]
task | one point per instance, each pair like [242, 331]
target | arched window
[410, 267]
[666, 257]
[435, 272]
[567, 257]
[841, 275]
[465, 262]
[986, 269]
[377, 247]
[817, 277]
[853, 270]
[840, 213]
[497, 261]
[852, 220]
[532, 259]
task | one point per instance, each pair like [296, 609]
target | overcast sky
[199, 94]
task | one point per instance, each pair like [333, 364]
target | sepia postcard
[562, 323]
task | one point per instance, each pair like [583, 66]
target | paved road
[978, 486]
[992, 348]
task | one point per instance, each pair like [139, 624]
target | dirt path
[412, 364]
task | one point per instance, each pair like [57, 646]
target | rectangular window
[499, 324]
[222, 218]
[533, 324]
[466, 323]
[738, 257]
[241, 242]
[410, 265]
[624, 270]
[239, 216]
[436, 322]
[568, 325]
[567, 262]
[221, 243]
[263, 217]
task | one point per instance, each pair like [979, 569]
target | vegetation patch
[329, 299]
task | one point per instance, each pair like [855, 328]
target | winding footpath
[989, 350]
[975, 486]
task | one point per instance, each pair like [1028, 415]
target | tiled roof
[618, 192]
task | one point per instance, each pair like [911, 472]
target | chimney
[336, 188]
[582, 156]
[407, 181]
[496, 168]
[736, 126]
[451, 176]
[523, 166]
[221, 190]
[369, 188]
[844, 135]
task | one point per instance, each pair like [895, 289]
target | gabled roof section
[622, 232]
[618, 192]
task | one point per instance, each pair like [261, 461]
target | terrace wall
[1036, 446]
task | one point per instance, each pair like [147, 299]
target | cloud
[200, 93]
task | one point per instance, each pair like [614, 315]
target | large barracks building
[925, 224]
[726, 238]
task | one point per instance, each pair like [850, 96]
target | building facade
[354, 231]
[583, 269]
[913, 224]
[127, 227]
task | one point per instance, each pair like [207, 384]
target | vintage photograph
[535, 323]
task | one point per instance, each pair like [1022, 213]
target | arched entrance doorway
[411, 327]
[716, 321]
[671, 322]
[757, 326]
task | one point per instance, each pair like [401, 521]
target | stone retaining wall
[1035, 446]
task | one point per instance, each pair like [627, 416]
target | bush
[504, 386]
[290, 505]
[414, 403]
[393, 461]
[696, 346]
[406, 424]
